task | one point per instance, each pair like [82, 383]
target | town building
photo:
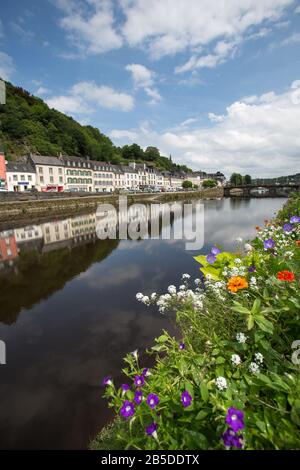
[78, 173]
[20, 177]
[2, 169]
[49, 172]
[104, 177]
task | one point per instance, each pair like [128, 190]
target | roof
[12, 167]
[127, 169]
[45, 160]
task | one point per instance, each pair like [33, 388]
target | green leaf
[204, 392]
[250, 322]
[264, 324]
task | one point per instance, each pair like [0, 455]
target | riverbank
[22, 210]
[233, 380]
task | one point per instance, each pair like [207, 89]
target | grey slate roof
[12, 167]
[45, 160]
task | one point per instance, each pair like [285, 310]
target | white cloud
[84, 96]
[144, 78]
[171, 26]
[42, 91]
[293, 39]
[259, 136]
[125, 135]
[215, 117]
[103, 96]
[297, 9]
[90, 26]
[68, 104]
[7, 67]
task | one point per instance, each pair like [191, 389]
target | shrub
[230, 381]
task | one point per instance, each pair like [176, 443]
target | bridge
[271, 190]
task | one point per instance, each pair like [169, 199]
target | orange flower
[236, 283]
[257, 228]
[297, 242]
[286, 276]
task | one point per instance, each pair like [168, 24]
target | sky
[214, 83]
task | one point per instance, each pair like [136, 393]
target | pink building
[2, 169]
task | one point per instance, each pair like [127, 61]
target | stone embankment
[13, 210]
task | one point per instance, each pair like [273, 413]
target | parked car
[3, 190]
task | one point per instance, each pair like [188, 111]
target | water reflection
[68, 315]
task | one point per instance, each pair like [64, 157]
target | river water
[68, 315]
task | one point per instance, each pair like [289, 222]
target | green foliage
[236, 179]
[209, 184]
[28, 124]
[264, 383]
[187, 184]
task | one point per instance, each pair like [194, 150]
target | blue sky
[215, 83]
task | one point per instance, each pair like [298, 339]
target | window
[41, 179]
[51, 179]
[29, 178]
[9, 253]
[15, 178]
[60, 179]
[22, 177]
[60, 171]
[50, 171]
[40, 169]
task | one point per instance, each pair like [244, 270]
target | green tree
[247, 179]
[209, 184]
[236, 179]
[187, 184]
[151, 154]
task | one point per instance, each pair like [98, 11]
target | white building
[104, 177]
[78, 173]
[20, 176]
[49, 173]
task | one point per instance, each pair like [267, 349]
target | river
[68, 315]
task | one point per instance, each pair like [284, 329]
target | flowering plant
[228, 381]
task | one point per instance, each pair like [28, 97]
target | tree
[132, 152]
[209, 184]
[236, 179]
[187, 184]
[151, 154]
[247, 179]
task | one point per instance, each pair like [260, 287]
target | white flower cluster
[183, 293]
[241, 338]
[216, 288]
[235, 359]
[254, 368]
[259, 358]
[221, 383]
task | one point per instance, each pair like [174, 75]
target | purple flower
[231, 439]
[138, 396]
[139, 380]
[152, 400]
[125, 387]
[186, 398]
[251, 269]
[145, 372]
[181, 346]
[127, 409]
[211, 258]
[151, 428]
[288, 228]
[107, 380]
[269, 243]
[215, 250]
[295, 219]
[235, 419]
